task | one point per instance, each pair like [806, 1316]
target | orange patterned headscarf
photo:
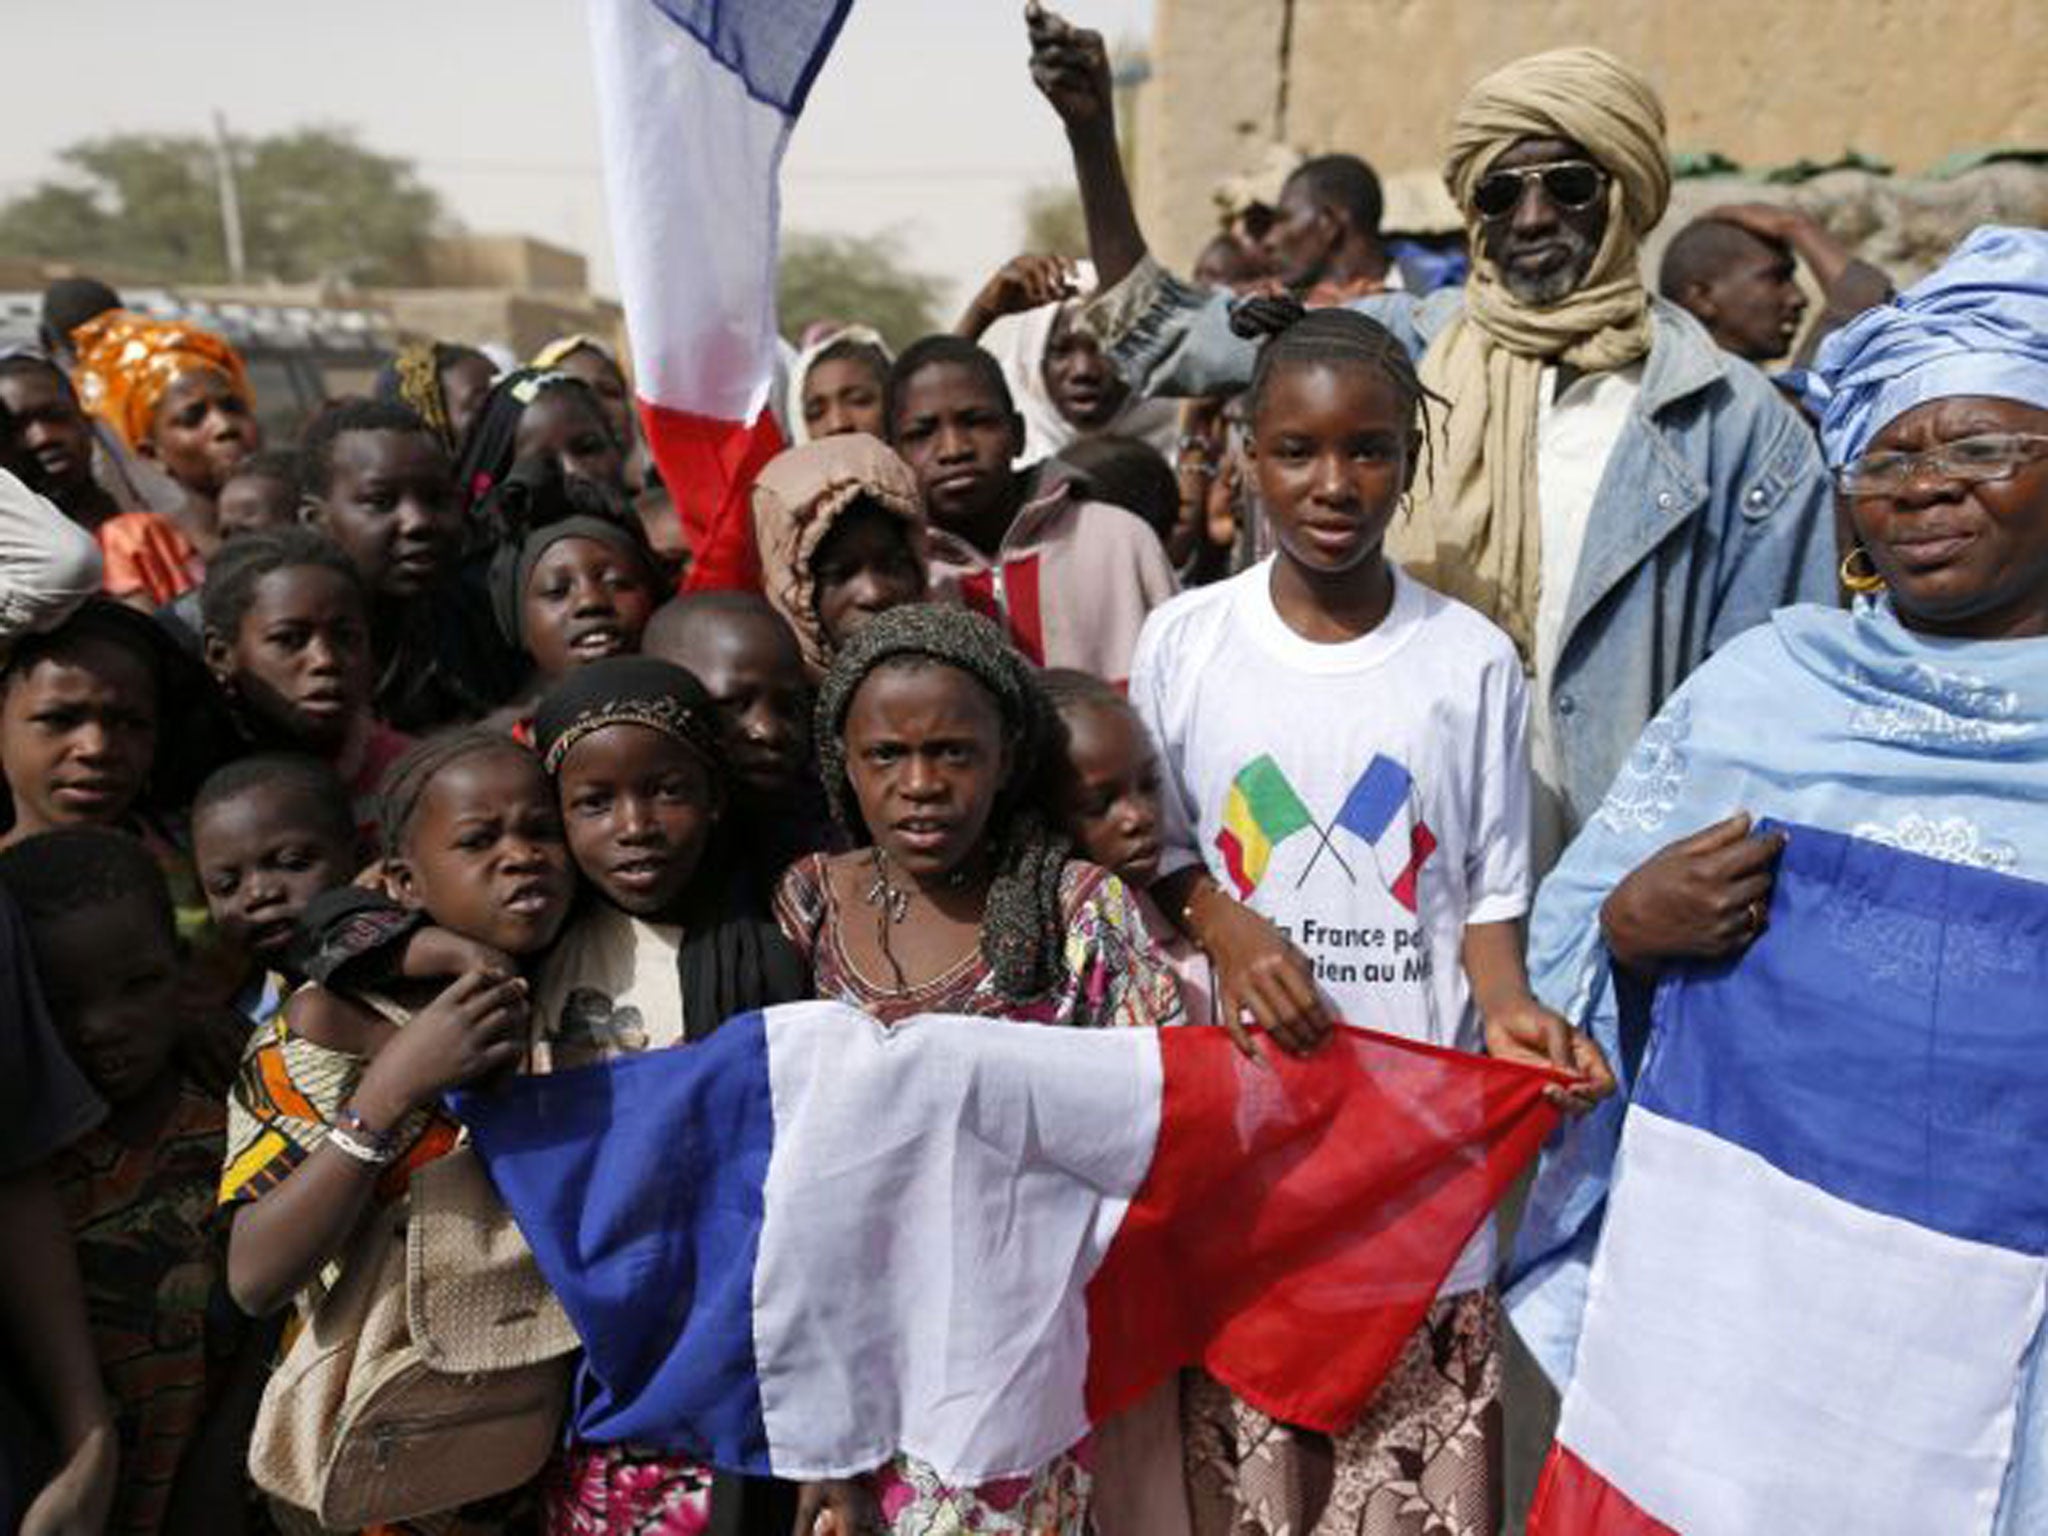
[127, 361]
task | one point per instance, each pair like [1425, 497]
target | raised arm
[1070, 66]
[1019, 284]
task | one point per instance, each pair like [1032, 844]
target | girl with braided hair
[962, 900]
[1347, 750]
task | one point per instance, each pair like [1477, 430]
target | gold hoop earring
[1862, 583]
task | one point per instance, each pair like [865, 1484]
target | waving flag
[810, 1241]
[1262, 810]
[1379, 812]
[696, 100]
[1823, 1260]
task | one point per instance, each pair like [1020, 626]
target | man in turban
[1606, 485]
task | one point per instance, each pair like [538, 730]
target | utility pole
[230, 197]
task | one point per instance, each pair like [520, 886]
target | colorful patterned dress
[141, 1218]
[1114, 976]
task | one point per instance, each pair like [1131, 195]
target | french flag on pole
[696, 100]
[1825, 1251]
[812, 1241]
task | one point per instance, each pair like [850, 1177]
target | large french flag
[1823, 1258]
[812, 1241]
[696, 100]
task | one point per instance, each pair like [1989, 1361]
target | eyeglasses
[1571, 184]
[1990, 456]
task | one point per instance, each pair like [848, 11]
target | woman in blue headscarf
[1918, 719]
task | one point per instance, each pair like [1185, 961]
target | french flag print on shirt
[810, 1241]
[696, 100]
[1380, 811]
[1824, 1256]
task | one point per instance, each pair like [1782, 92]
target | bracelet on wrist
[352, 1135]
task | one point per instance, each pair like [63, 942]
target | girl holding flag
[963, 901]
[1345, 823]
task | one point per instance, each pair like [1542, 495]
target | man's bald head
[1740, 285]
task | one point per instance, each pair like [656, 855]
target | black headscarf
[493, 441]
[536, 506]
[733, 958]
[1023, 927]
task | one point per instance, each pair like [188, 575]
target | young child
[545, 412]
[1347, 750]
[377, 481]
[841, 534]
[1103, 785]
[588, 359]
[675, 943]
[269, 833]
[287, 636]
[52, 436]
[260, 493]
[79, 711]
[337, 1104]
[137, 1189]
[839, 385]
[1070, 579]
[444, 382]
[962, 901]
[81, 740]
[748, 661]
[572, 580]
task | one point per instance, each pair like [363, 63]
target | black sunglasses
[1570, 184]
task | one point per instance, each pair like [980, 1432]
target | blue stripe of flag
[656, 1274]
[775, 46]
[1883, 1040]
[1376, 799]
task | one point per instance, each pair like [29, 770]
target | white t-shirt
[608, 988]
[1370, 797]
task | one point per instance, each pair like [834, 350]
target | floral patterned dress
[1114, 976]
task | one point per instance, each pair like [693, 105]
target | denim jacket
[1714, 508]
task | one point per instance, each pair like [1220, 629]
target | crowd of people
[343, 774]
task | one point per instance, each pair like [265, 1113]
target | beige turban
[1475, 530]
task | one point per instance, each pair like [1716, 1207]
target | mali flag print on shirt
[1263, 811]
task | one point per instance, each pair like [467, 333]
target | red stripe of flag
[708, 467]
[1574, 1500]
[1353, 1179]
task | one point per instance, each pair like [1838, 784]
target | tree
[854, 278]
[1053, 225]
[315, 204]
